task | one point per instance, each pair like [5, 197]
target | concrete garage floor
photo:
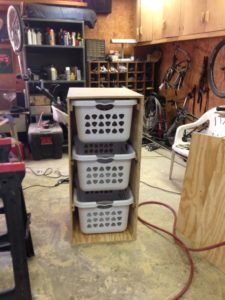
[151, 268]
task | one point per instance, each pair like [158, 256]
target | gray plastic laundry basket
[108, 169]
[101, 212]
[103, 120]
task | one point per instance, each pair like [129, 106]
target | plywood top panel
[93, 93]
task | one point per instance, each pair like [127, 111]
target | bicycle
[216, 70]
[176, 73]
[182, 115]
[15, 33]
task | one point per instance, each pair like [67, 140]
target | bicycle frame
[182, 115]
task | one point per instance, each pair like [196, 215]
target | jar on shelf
[39, 37]
[67, 73]
[51, 37]
[33, 37]
[29, 36]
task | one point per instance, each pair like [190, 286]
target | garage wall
[197, 49]
[119, 24]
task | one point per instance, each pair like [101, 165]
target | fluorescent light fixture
[122, 42]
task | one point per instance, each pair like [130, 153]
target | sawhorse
[17, 240]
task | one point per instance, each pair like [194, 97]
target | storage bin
[45, 142]
[101, 212]
[103, 120]
[104, 166]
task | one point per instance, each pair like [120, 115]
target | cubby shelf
[138, 75]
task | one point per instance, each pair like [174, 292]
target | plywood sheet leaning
[202, 208]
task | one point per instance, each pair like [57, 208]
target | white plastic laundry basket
[104, 120]
[103, 211]
[107, 169]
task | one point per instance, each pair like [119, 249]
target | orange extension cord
[181, 244]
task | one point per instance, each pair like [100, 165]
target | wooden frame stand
[135, 140]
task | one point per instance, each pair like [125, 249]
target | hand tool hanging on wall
[203, 86]
[194, 98]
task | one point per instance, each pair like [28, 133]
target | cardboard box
[39, 100]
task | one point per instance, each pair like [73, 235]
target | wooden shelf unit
[139, 75]
[135, 140]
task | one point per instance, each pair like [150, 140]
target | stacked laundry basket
[103, 158]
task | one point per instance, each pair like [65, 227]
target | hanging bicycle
[176, 73]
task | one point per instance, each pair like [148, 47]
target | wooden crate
[135, 139]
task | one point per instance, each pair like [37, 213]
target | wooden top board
[101, 93]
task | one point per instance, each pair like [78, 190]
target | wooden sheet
[201, 217]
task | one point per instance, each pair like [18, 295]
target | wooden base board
[80, 238]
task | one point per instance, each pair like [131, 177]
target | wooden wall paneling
[197, 49]
[202, 207]
[119, 24]
[192, 20]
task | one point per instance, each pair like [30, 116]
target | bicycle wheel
[15, 29]
[169, 136]
[216, 71]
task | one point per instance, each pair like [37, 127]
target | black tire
[15, 29]
[217, 91]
